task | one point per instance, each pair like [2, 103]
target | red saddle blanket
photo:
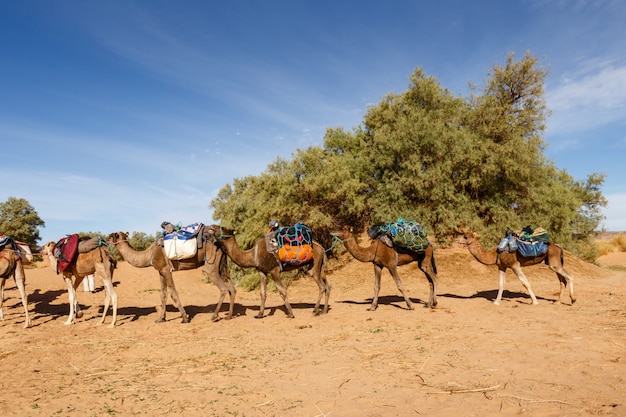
[65, 250]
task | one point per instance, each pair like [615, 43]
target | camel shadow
[491, 295]
[391, 300]
[242, 310]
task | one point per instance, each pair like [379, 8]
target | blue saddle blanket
[531, 250]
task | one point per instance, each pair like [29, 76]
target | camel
[210, 258]
[11, 265]
[383, 256]
[504, 260]
[98, 262]
[266, 263]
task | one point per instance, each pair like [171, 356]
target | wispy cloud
[592, 98]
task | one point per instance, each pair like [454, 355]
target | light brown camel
[382, 256]
[11, 265]
[98, 262]
[504, 260]
[266, 263]
[210, 258]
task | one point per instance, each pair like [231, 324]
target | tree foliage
[444, 161]
[19, 220]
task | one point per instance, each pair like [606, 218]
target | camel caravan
[281, 249]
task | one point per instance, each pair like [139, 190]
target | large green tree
[19, 220]
[426, 155]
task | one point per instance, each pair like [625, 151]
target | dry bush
[615, 244]
[619, 242]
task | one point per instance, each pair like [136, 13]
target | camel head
[342, 232]
[217, 233]
[466, 237]
[48, 251]
[118, 237]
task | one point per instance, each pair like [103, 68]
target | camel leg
[263, 295]
[432, 281]
[224, 287]
[168, 287]
[176, 299]
[377, 273]
[110, 298]
[232, 293]
[565, 281]
[323, 289]
[2, 282]
[400, 285]
[71, 292]
[520, 275]
[20, 282]
[283, 293]
[163, 294]
[502, 281]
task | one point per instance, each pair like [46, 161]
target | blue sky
[118, 115]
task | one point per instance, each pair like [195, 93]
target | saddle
[529, 242]
[182, 242]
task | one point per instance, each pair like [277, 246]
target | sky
[119, 115]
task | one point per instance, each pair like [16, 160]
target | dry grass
[616, 243]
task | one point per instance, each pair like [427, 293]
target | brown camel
[504, 260]
[98, 262]
[266, 263]
[210, 258]
[382, 256]
[11, 265]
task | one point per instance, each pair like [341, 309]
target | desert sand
[468, 357]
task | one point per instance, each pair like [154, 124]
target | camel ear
[126, 235]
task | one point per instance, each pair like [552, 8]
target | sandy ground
[468, 357]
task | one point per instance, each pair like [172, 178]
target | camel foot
[290, 316]
[160, 320]
[372, 308]
[111, 326]
[497, 303]
[79, 314]
[68, 322]
[185, 319]
[215, 318]
[534, 303]
[410, 308]
[258, 316]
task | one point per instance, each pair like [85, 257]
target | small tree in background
[19, 220]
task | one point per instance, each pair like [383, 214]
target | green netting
[407, 234]
[297, 235]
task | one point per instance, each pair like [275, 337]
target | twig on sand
[465, 391]
[533, 400]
